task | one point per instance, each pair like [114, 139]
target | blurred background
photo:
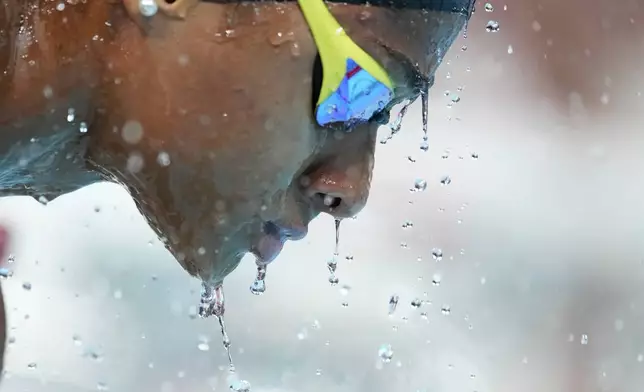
[523, 257]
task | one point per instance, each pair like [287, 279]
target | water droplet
[43, 200]
[132, 131]
[492, 26]
[475, 156]
[446, 310]
[240, 386]
[455, 98]
[259, 284]
[32, 366]
[26, 286]
[82, 127]
[393, 303]
[640, 357]
[489, 7]
[163, 158]
[71, 114]
[6, 273]
[203, 344]
[101, 386]
[416, 303]
[77, 340]
[510, 49]
[48, 92]
[420, 185]
[385, 353]
[148, 8]
[318, 372]
[584, 339]
[279, 38]
[437, 254]
[344, 290]
[446, 180]
[407, 225]
[411, 159]
[436, 280]
[536, 26]
[60, 6]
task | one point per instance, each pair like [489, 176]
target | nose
[339, 183]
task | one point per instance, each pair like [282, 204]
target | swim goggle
[355, 87]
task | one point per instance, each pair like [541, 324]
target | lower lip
[268, 248]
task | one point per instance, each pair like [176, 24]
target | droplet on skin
[489, 7]
[48, 92]
[132, 131]
[60, 7]
[148, 8]
[536, 26]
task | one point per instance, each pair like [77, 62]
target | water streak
[332, 264]
[424, 96]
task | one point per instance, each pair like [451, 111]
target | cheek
[264, 158]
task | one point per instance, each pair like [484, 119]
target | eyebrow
[465, 7]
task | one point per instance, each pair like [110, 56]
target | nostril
[329, 201]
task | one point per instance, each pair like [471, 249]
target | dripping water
[396, 125]
[259, 285]
[213, 303]
[424, 96]
[333, 263]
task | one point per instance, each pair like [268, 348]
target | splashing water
[332, 264]
[213, 303]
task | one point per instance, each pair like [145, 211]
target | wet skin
[206, 121]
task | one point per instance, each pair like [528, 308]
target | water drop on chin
[259, 285]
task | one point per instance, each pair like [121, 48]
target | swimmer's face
[232, 160]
